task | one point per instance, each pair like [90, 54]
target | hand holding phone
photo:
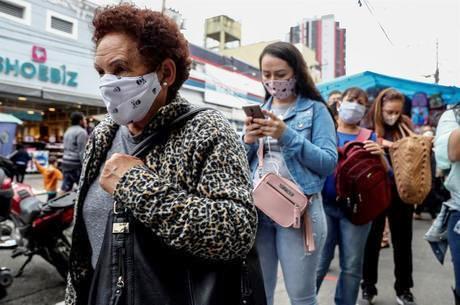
[253, 131]
[254, 111]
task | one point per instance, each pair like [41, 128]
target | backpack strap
[364, 135]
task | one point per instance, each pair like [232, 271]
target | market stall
[425, 102]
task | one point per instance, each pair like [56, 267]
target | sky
[413, 26]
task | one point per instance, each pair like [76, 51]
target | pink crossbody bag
[282, 200]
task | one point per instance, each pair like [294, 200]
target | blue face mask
[351, 113]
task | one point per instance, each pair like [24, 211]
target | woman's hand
[387, 144]
[253, 131]
[272, 127]
[373, 148]
[115, 168]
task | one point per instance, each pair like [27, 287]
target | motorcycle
[6, 277]
[31, 227]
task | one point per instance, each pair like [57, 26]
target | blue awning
[368, 79]
[8, 118]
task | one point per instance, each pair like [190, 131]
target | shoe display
[406, 298]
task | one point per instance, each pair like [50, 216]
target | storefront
[42, 87]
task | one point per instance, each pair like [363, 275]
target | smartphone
[254, 111]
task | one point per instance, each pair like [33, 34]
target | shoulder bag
[411, 160]
[283, 201]
[136, 268]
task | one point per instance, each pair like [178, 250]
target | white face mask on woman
[129, 99]
[351, 113]
[390, 120]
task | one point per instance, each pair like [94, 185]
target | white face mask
[428, 133]
[129, 99]
[390, 120]
[351, 113]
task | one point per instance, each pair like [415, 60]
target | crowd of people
[192, 191]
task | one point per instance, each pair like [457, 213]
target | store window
[16, 10]
[61, 25]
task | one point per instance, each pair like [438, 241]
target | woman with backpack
[350, 238]
[299, 144]
[386, 117]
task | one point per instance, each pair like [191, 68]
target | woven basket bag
[411, 159]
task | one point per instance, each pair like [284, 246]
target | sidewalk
[432, 281]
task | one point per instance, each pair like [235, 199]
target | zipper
[120, 285]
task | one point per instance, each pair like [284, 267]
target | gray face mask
[351, 113]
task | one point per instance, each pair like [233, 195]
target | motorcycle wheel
[57, 254]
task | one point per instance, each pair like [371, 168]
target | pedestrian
[385, 115]
[20, 159]
[447, 152]
[300, 145]
[332, 100]
[437, 195]
[75, 139]
[191, 193]
[350, 238]
[51, 175]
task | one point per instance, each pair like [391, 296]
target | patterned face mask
[280, 89]
[129, 99]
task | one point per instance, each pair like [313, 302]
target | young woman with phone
[299, 144]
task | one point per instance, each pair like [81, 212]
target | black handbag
[136, 268]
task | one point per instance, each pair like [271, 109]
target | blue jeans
[71, 177]
[351, 240]
[454, 245]
[275, 243]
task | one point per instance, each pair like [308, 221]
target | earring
[165, 84]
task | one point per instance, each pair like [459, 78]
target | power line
[377, 20]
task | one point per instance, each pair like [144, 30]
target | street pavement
[41, 284]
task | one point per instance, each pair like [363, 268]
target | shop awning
[65, 96]
[34, 116]
[8, 118]
[368, 79]
[14, 88]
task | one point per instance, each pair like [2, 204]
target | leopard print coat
[194, 191]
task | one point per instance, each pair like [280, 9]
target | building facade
[250, 53]
[325, 36]
[47, 72]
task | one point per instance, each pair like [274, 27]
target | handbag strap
[405, 130]
[260, 153]
[141, 149]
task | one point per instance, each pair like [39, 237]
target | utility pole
[436, 73]
[163, 6]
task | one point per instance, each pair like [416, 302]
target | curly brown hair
[158, 37]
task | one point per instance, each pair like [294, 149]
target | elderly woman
[193, 192]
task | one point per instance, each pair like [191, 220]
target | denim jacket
[308, 145]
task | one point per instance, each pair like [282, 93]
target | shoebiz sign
[37, 69]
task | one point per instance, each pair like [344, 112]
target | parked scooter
[32, 227]
[6, 191]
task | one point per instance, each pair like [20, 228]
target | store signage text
[42, 72]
